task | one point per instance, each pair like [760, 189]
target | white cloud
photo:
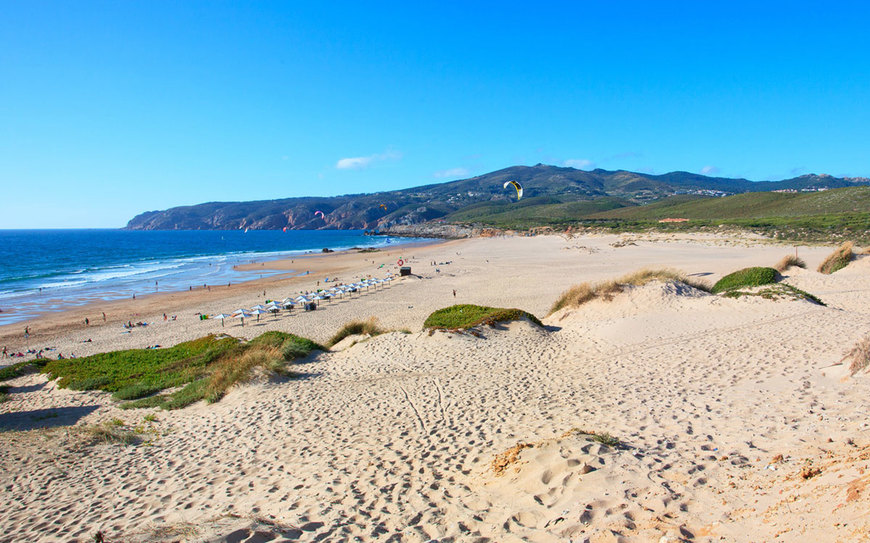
[579, 163]
[356, 163]
[362, 162]
[709, 170]
[452, 172]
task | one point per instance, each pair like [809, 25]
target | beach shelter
[259, 312]
[221, 316]
[241, 314]
[258, 306]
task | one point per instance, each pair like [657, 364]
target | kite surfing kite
[517, 186]
[322, 216]
[384, 206]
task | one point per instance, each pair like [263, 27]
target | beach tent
[259, 312]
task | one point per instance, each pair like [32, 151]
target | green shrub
[747, 277]
[465, 316]
[89, 383]
[204, 368]
[20, 368]
[138, 390]
[775, 292]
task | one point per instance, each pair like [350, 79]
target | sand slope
[393, 438]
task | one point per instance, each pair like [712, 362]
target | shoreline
[285, 274]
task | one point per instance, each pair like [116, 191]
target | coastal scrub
[837, 260]
[368, 327]
[204, 368]
[585, 292]
[747, 277]
[465, 316]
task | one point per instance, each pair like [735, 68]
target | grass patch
[585, 292]
[747, 277]
[369, 327]
[151, 417]
[465, 316]
[837, 260]
[788, 262]
[4, 394]
[601, 437]
[202, 369]
[858, 356]
[20, 368]
[111, 432]
[777, 291]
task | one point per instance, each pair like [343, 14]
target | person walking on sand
[87, 322]
[26, 331]
[454, 293]
[104, 316]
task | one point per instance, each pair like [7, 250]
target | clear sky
[110, 109]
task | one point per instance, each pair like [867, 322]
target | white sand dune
[393, 438]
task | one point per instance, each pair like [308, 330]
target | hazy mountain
[542, 183]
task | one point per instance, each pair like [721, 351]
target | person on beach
[26, 331]
[454, 293]
[87, 322]
[165, 317]
[104, 316]
[5, 352]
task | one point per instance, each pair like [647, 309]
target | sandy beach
[734, 419]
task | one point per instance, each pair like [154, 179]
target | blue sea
[51, 270]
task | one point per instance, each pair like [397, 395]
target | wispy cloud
[709, 170]
[362, 162]
[451, 172]
[579, 163]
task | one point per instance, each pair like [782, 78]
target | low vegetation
[20, 368]
[113, 432]
[204, 369]
[837, 260]
[859, 356]
[585, 292]
[465, 316]
[778, 291]
[747, 277]
[368, 327]
[502, 461]
[4, 394]
[789, 261]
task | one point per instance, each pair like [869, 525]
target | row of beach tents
[307, 300]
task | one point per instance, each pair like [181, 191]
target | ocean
[43, 271]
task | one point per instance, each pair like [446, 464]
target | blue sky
[110, 109]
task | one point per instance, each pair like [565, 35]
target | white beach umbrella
[258, 306]
[259, 312]
[241, 314]
[221, 316]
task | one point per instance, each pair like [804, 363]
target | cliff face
[420, 204]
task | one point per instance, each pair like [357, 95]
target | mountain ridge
[414, 205]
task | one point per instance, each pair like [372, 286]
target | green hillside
[800, 216]
[529, 212]
[750, 205]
